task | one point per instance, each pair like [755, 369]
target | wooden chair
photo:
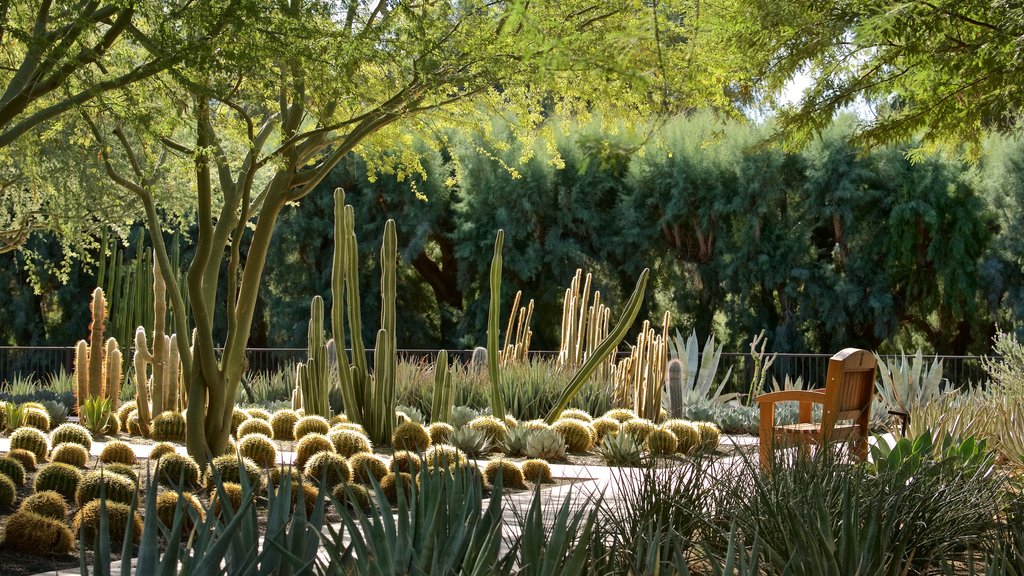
[849, 390]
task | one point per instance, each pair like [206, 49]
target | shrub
[410, 435]
[365, 465]
[13, 469]
[440, 432]
[254, 426]
[118, 452]
[177, 470]
[61, 478]
[329, 466]
[311, 425]
[577, 435]
[405, 461]
[229, 469]
[47, 503]
[259, 448]
[160, 449]
[168, 426]
[32, 440]
[349, 442]
[73, 433]
[309, 445]
[26, 457]
[511, 475]
[73, 454]
[282, 424]
[32, 533]
[87, 521]
[537, 471]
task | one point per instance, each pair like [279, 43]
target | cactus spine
[441, 403]
[311, 377]
[493, 317]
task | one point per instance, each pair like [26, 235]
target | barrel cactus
[311, 425]
[161, 448]
[259, 448]
[309, 445]
[511, 475]
[391, 483]
[61, 478]
[118, 452]
[69, 432]
[254, 426]
[578, 436]
[330, 467]
[405, 461]
[231, 492]
[125, 409]
[124, 470]
[620, 414]
[604, 426]
[353, 496]
[576, 414]
[87, 521]
[169, 503]
[686, 433]
[238, 417]
[709, 435]
[46, 503]
[661, 442]
[13, 469]
[494, 429]
[32, 440]
[36, 534]
[282, 424]
[228, 468]
[440, 432]
[348, 442]
[68, 453]
[26, 457]
[411, 435]
[169, 426]
[37, 418]
[177, 470]
[258, 413]
[116, 488]
[639, 428]
[445, 456]
[537, 471]
[8, 491]
[365, 465]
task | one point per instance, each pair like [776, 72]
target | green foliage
[97, 414]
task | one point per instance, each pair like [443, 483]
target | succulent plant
[405, 461]
[32, 440]
[161, 448]
[472, 442]
[259, 414]
[349, 426]
[338, 419]
[409, 414]
[353, 496]
[604, 426]
[232, 491]
[132, 424]
[69, 453]
[61, 478]
[310, 425]
[125, 409]
[167, 505]
[365, 465]
[510, 422]
[13, 469]
[124, 470]
[26, 457]
[8, 491]
[445, 455]
[511, 475]
[620, 414]
[309, 445]
[494, 429]
[283, 424]
[57, 411]
[238, 417]
[330, 467]
[259, 448]
[169, 426]
[392, 482]
[462, 415]
[620, 450]
[254, 426]
[348, 442]
[46, 503]
[410, 435]
[37, 418]
[116, 488]
[687, 435]
[576, 414]
[578, 436]
[709, 435]
[440, 432]
[96, 414]
[33, 533]
[309, 492]
[661, 442]
[119, 452]
[703, 411]
[228, 468]
[639, 428]
[537, 471]
[546, 444]
[517, 439]
[69, 432]
[535, 425]
[87, 521]
[177, 470]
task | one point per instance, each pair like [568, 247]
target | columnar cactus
[674, 374]
[96, 344]
[441, 403]
[497, 400]
[311, 378]
[142, 359]
[97, 362]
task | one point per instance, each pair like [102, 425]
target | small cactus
[494, 429]
[116, 488]
[312, 444]
[228, 468]
[61, 478]
[330, 467]
[511, 475]
[13, 469]
[661, 442]
[118, 452]
[32, 533]
[8, 492]
[405, 461]
[353, 496]
[605, 426]
[709, 436]
[310, 425]
[639, 428]
[167, 505]
[348, 442]
[259, 448]
[364, 466]
[440, 432]
[37, 418]
[26, 457]
[534, 425]
[69, 432]
[254, 426]
[620, 414]
[124, 470]
[392, 482]
[283, 424]
[69, 453]
[168, 426]
[177, 470]
[576, 414]
[125, 409]
[87, 521]
[161, 448]
[258, 414]
[410, 435]
[47, 503]
[238, 417]
[578, 436]
[687, 435]
[233, 492]
[537, 471]
[444, 455]
[32, 440]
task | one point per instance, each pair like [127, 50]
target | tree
[945, 69]
[287, 97]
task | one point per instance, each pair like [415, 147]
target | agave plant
[699, 378]
[546, 444]
[14, 414]
[96, 414]
[620, 450]
[517, 440]
[471, 441]
[910, 384]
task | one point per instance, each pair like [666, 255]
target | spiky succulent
[161, 448]
[709, 436]
[132, 425]
[35, 534]
[472, 442]
[330, 467]
[69, 453]
[61, 478]
[578, 436]
[620, 414]
[537, 471]
[462, 415]
[13, 469]
[259, 448]
[604, 426]
[116, 488]
[87, 521]
[310, 425]
[349, 442]
[510, 422]
[125, 409]
[229, 467]
[639, 428]
[511, 475]
[349, 426]
[37, 418]
[8, 491]
[366, 465]
[440, 432]
[73, 433]
[254, 426]
[409, 414]
[168, 503]
[26, 457]
[517, 439]
[535, 425]
[169, 426]
[687, 435]
[32, 440]
[576, 414]
[353, 496]
[309, 445]
[661, 442]
[546, 444]
[177, 470]
[46, 503]
[405, 461]
[494, 429]
[259, 414]
[410, 435]
[124, 470]
[232, 492]
[117, 451]
[338, 419]
[444, 455]
[391, 483]
[238, 417]
[620, 450]
[283, 424]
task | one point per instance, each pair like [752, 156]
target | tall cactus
[493, 318]
[81, 375]
[142, 359]
[112, 373]
[97, 361]
[674, 374]
[97, 347]
[385, 360]
[161, 342]
[441, 403]
[312, 376]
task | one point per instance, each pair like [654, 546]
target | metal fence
[39, 362]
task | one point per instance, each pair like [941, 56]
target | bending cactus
[493, 317]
